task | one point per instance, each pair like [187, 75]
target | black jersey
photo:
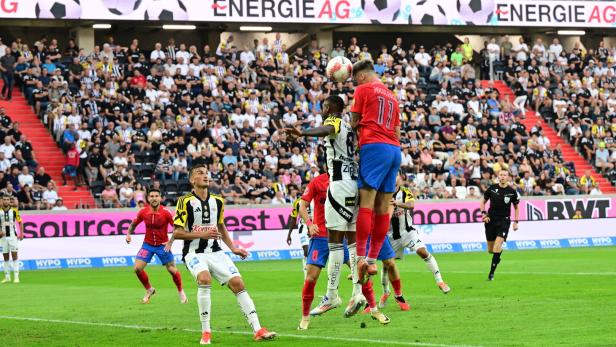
[501, 200]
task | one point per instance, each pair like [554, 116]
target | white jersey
[10, 217]
[192, 211]
[340, 150]
[403, 223]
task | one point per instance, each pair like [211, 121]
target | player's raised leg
[368, 292]
[432, 265]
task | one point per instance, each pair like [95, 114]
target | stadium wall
[72, 240]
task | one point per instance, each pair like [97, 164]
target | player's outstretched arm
[355, 118]
[294, 133]
[222, 229]
[21, 231]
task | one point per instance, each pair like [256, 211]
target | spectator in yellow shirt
[467, 49]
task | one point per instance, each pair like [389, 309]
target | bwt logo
[114, 261]
[602, 241]
[442, 247]
[472, 246]
[579, 242]
[48, 263]
[529, 244]
[79, 262]
[268, 255]
[550, 243]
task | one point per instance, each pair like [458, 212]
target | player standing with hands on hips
[498, 218]
[9, 237]
[376, 117]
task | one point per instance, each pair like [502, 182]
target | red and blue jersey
[380, 114]
[317, 191]
[156, 224]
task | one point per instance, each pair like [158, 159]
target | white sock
[16, 267]
[204, 303]
[433, 266]
[353, 258]
[248, 307]
[370, 261]
[336, 257]
[385, 280]
[304, 260]
[7, 269]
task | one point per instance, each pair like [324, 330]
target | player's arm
[133, 225]
[355, 119]
[321, 131]
[516, 212]
[397, 130]
[21, 225]
[482, 206]
[171, 238]
[224, 233]
[313, 229]
[357, 107]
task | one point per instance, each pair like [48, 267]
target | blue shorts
[387, 251]
[378, 166]
[147, 251]
[318, 252]
[70, 170]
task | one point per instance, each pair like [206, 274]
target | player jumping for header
[376, 116]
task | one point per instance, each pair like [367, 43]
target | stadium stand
[138, 117]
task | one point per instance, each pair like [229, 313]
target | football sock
[304, 260]
[385, 281]
[177, 279]
[354, 275]
[16, 267]
[496, 257]
[143, 277]
[248, 307]
[336, 257]
[381, 227]
[397, 287]
[7, 269]
[364, 223]
[369, 295]
[204, 303]
[307, 297]
[433, 266]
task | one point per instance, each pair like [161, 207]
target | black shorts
[497, 227]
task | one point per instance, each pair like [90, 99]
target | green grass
[539, 298]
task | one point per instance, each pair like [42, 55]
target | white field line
[293, 336]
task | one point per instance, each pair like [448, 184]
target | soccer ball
[339, 69]
[476, 12]
[381, 11]
[121, 7]
[428, 12]
[166, 10]
[58, 9]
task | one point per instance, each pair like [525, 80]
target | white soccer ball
[122, 7]
[339, 69]
[166, 10]
[476, 12]
[429, 12]
[58, 9]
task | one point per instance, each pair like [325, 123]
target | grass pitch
[539, 298]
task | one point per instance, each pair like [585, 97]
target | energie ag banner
[545, 13]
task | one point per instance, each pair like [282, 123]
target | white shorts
[409, 239]
[9, 244]
[304, 239]
[341, 205]
[218, 264]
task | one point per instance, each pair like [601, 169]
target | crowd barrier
[75, 239]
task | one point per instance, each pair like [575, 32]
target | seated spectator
[59, 206]
[49, 196]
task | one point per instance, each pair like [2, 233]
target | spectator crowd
[130, 118]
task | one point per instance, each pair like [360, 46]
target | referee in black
[498, 218]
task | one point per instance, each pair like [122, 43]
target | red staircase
[569, 152]
[46, 151]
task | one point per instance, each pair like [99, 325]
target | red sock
[397, 287]
[364, 224]
[307, 296]
[177, 279]
[381, 227]
[143, 277]
[368, 292]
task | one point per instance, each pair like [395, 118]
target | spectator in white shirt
[521, 50]
[126, 194]
[25, 178]
[182, 53]
[7, 148]
[59, 206]
[50, 195]
[5, 164]
[157, 53]
[555, 49]
[423, 60]
[493, 50]
[538, 51]
[180, 167]
[278, 199]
